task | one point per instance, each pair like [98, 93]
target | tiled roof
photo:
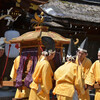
[78, 11]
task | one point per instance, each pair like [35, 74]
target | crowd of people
[72, 79]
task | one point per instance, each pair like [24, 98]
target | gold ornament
[38, 20]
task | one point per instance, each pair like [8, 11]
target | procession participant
[68, 77]
[42, 76]
[22, 70]
[94, 76]
[22, 91]
[84, 63]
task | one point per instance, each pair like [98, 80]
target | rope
[5, 63]
[41, 48]
[40, 41]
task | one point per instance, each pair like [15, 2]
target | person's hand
[0, 84]
[85, 87]
[88, 87]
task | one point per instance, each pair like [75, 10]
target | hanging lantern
[14, 52]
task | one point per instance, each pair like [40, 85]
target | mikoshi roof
[35, 35]
[72, 10]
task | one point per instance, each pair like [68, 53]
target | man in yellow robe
[84, 64]
[42, 76]
[21, 91]
[94, 76]
[68, 77]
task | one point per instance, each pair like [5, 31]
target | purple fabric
[24, 56]
[28, 78]
[57, 58]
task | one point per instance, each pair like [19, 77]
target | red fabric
[17, 46]
[5, 63]
[41, 48]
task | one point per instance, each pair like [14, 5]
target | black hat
[84, 45]
[49, 43]
[71, 50]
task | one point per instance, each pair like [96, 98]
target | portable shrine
[31, 41]
[31, 46]
[30, 50]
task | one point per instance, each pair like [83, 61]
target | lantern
[14, 52]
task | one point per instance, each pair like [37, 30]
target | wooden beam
[8, 83]
[24, 98]
[63, 26]
[63, 30]
[84, 23]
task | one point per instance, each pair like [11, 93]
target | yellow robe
[94, 76]
[42, 81]
[68, 77]
[22, 91]
[85, 67]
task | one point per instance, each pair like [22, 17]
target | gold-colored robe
[85, 67]
[68, 77]
[22, 91]
[94, 76]
[42, 80]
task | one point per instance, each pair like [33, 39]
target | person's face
[99, 56]
[81, 55]
[51, 56]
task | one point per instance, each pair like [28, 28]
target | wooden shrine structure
[32, 39]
